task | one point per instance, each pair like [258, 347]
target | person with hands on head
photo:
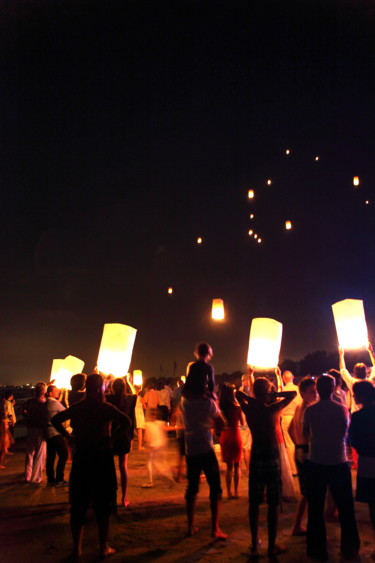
[261, 413]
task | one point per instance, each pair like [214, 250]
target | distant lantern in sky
[251, 215]
[255, 236]
[170, 290]
[264, 343]
[316, 158]
[199, 240]
[350, 322]
[250, 194]
[355, 181]
[137, 377]
[269, 182]
[116, 349]
[287, 151]
[218, 309]
[251, 232]
[367, 201]
[288, 225]
[259, 240]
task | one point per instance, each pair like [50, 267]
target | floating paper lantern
[137, 377]
[316, 158]
[350, 323]
[367, 202]
[251, 215]
[170, 290]
[62, 371]
[287, 151]
[251, 232]
[355, 181]
[250, 194]
[269, 182]
[199, 240]
[259, 240]
[218, 309]
[55, 370]
[288, 225]
[264, 343]
[255, 236]
[116, 349]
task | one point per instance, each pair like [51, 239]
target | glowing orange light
[350, 322]
[170, 290]
[287, 151]
[218, 309]
[199, 240]
[259, 240]
[367, 202]
[264, 343]
[251, 215]
[137, 377]
[251, 232]
[183, 378]
[250, 194]
[355, 181]
[255, 236]
[62, 370]
[288, 225]
[269, 182]
[316, 158]
[116, 349]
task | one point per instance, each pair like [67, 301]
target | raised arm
[279, 380]
[370, 350]
[341, 358]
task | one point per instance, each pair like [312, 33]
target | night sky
[129, 129]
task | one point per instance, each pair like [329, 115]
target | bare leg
[254, 525]
[297, 528]
[228, 479]
[371, 508]
[149, 466]
[215, 512]
[272, 520]
[140, 438]
[190, 508]
[76, 526]
[237, 476]
[103, 529]
[123, 466]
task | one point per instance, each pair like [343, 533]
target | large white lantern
[264, 343]
[350, 323]
[55, 370]
[62, 370]
[116, 349]
[137, 377]
[218, 313]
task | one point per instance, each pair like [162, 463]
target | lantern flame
[355, 181]
[199, 240]
[288, 225]
[116, 349]
[170, 290]
[350, 322]
[218, 313]
[250, 194]
[264, 343]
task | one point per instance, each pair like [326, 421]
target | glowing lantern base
[137, 377]
[264, 343]
[350, 323]
[218, 313]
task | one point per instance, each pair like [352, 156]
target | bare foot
[219, 535]
[255, 546]
[125, 503]
[276, 550]
[108, 551]
[192, 531]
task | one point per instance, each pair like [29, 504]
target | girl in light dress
[5, 437]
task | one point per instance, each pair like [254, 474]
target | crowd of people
[279, 429]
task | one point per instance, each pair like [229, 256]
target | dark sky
[128, 129]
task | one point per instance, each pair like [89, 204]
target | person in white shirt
[286, 418]
[55, 441]
[325, 426]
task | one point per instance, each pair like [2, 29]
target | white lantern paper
[355, 181]
[350, 323]
[218, 309]
[264, 343]
[65, 369]
[55, 370]
[116, 349]
[137, 377]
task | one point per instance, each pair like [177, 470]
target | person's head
[77, 382]
[307, 390]
[287, 377]
[203, 351]
[364, 392]
[40, 390]
[119, 387]
[337, 376]
[8, 395]
[261, 388]
[325, 386]
[95, 387]
[360, 371]
[53, 391]
[226, 397]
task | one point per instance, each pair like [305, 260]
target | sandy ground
[34, 522]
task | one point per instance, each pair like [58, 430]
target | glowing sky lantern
[55, 370]
[65, 369]
[259, 240]
[170, 290]
[116, 349]
[218, 309]
[350, 323]
[269, 182]
[199, 240]
[250, 194]
[355, 181]
[288, 225]
[251, 215]
[264, 343]
[287, 151]
[137, 377]
[255, 236]
[367, 202]
[251, 232]
[316, 158]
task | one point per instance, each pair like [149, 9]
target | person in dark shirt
[93, 475]
[200, 374]
[36, 421]
[77, 392]
[265, 469]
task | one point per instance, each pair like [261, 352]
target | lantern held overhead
[264, 343]
[55, 370]
[116, 349]
[350, 322]
[137, 377]
[65, 369]
[218, 313]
